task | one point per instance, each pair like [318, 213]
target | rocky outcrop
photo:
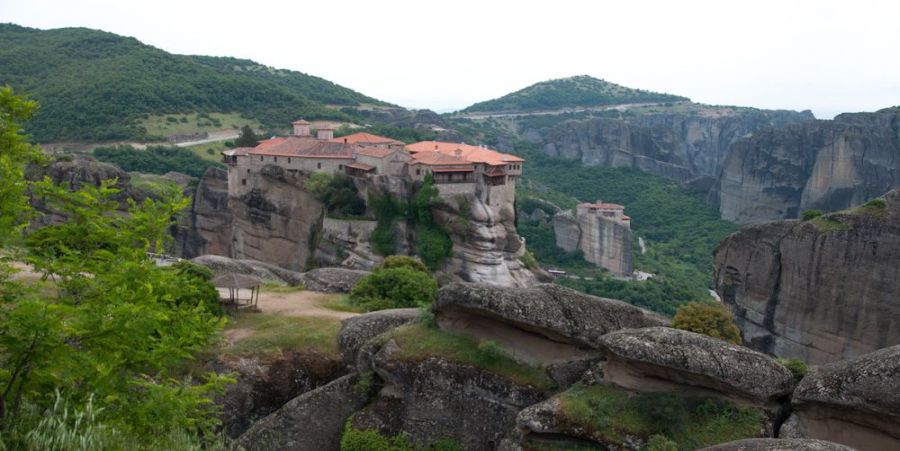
[679, 146]
[207, 227]
[263, 385]
[332, 280]
[434, 397]
[544, 324]
[266, 271]
[775, 444]
[486, 245]
[605, 241]
[358, 330]
[854, 402]
[313, 421]
[823, 165]
[661, 358]
[820, 290]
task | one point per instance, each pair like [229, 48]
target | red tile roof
[300, 122]
[365, 138]
[472, 154]
[361, 166]
[377, 152]
[303, 147]
[438, 159]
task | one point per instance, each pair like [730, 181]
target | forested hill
[579, 91]
[94, 85]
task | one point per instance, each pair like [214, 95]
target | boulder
[775, 444]
[662, 359]
[264, 384]
[224, 265]
[312, 421]
[332, 280]
[434, 397]
[544, 324]
[358, 330]
[855, 402]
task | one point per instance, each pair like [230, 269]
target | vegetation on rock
[610, 415]
[337, 192]
[248, 138]
[707, 318]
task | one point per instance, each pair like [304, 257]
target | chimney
[301, 128]
[325, 133]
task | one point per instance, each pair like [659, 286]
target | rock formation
[661, 358]
[602, 234]
[775, 444]
[679, 146]
[326, 280]
[543, 324]
[854, 402]
[822, 165]
[207, 227]
[819, 290]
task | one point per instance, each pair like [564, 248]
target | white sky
[828, 56]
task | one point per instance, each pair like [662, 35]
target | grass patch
[418, 341]
[343, 304]
[830, 224]
[209, 151]
[609, 413]
[271, 335]
[278, 287]
[181, 124]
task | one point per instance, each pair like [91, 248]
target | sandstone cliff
[605, 242]
[206, 228]
[676, 145]
[825, 165]
[819, 290]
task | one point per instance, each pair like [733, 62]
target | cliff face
[825, 165]
[672, 145]
[278, 221]
[605, 242]
[486, 245]
[819, 290]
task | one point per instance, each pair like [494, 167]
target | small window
[261, 158]
[243, 181]
[340, 166]
[276, 159]
[418, 171]
[318, 165]
[289, 160]
[248, 171]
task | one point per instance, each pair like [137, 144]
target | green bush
[155, 159]
[661, 443]
[337, 192]
[808, 215]
[433, 246]
[797, 367]
[876, 203]
[707, 318]
[403, 261]
[394, 288]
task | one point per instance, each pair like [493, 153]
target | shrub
[337, 192]
[433, 245]
[797, 367]
[707, 318]
[394, 288]
[371, 440]
[402, 261]
[808, 215]
[660, 443]
[876, 203]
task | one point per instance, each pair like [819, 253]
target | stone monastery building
[456, 168]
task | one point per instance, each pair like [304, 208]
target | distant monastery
[456, 168]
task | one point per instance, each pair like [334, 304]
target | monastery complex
[456, 168]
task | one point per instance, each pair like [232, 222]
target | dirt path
[298, 303]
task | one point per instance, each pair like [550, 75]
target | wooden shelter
[235, 283]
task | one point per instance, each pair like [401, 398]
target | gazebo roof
[232, 280]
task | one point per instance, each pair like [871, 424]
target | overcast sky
[827, 56]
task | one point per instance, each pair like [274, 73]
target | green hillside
[94, 85]
[579, 91]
